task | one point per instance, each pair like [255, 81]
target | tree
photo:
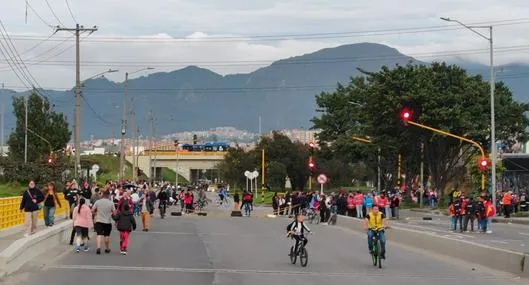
[276, 174]
[235, 163]
[47, 130]
[442, 96]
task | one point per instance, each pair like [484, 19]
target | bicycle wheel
[293, 255]
[374, 253]
[303, 256]
[378, 256]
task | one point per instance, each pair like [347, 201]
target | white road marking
[264, 272]
[525, 234]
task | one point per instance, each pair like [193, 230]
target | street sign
[322, 179]
[247, 174]
[255, 174]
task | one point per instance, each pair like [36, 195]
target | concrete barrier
[25, 249]
[495, 258]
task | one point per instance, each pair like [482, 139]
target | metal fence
[10, 214]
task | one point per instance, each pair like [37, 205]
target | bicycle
[301, 252]
[222, 203]
[163, 209]
[312, 216]
[376, 254]
[200, 205]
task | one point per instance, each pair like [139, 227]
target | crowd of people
[353, 204]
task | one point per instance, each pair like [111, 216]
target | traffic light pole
[457, 137]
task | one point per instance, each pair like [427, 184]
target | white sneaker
[26, 235]
[489, 232]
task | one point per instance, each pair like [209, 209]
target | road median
[495, 258]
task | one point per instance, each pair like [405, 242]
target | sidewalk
[8, 236]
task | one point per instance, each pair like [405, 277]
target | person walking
[51, 201]
[103, 210]
[82, 221]
[469, 208]
[147, 206]
[30, 204]
[507, 204]
[125, 224]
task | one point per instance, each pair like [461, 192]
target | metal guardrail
[10, 214]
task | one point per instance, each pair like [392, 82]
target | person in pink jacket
[359, 203]
[82, 221]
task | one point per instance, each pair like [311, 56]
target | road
[507, 236]
[218, 249]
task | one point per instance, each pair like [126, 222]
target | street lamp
[492, 86]
[124, 129]
[77, 136]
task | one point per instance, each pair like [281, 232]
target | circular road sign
[322, 179]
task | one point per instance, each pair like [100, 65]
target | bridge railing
[10, 214]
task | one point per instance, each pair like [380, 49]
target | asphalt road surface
[507, 236]
[218, 249]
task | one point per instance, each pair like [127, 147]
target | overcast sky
[227, 36]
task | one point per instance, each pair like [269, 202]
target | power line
[299, 61]
[98, 116]
[53, 12]
[70, 10]
[37, 14]
[18, 59]
[312, 36]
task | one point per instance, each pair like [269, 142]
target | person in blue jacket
[368, 202]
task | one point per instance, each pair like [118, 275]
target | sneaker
[26, 235]
[98, 251]
[86, 249]
[77, 250]
[125, 252]
[489, 232]
[107, 250]
[122, 252]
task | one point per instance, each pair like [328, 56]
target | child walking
[82, 221]
[125, 224]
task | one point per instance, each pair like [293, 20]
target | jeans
[395, 213]
[359, 212]
[49, 216]
[483, 224]
[456, 219]
[466, 219]
[381, 237]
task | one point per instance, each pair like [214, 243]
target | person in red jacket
[350, 204]
[359, 204]
[383, 204]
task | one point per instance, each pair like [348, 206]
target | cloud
[220, 35]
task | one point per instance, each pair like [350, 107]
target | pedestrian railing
[10, 214]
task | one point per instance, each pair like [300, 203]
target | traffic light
[483, 163]
[312, 147]
[312, 167]
[195, 139]
[406, 114]
[51, 159]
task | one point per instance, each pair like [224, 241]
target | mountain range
[282, 94]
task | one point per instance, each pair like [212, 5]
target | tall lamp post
[77, 125]
[492, 87]
[124, 126]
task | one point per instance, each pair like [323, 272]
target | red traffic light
[483, 164]
[312, 164]
[405, 114]
[312, 145]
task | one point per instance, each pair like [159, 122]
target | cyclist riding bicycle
[296, 230]
[374, 223]
[163, 198]
[223, 194]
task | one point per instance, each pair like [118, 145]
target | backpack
[247, 198]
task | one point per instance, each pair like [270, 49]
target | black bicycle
[376, 248]
[301, 252]
[163, 208]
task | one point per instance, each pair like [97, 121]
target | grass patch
[10, 190]
[521, 215]
[170, 175]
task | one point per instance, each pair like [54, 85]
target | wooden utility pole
[77, 31]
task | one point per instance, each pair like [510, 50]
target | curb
[25, 249]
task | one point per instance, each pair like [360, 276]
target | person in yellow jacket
[375, 222]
